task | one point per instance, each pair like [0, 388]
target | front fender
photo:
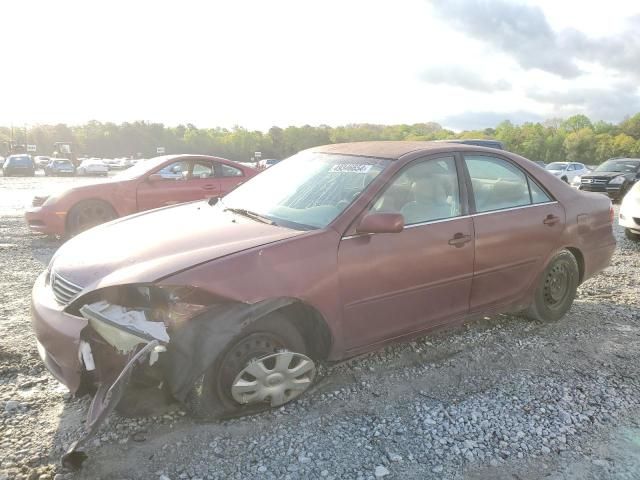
[197, 342]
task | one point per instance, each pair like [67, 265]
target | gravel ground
[501, 398]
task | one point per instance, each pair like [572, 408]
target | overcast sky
[465, 64]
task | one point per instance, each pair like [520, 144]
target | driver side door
[394, 284]
[170, 185]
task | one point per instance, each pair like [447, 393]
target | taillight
[611, 213]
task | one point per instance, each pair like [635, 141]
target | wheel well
[88, 200]
[312, 326]
[580, 259]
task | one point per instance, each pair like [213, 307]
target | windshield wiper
[252, 215]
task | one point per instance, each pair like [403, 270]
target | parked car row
[26, 165]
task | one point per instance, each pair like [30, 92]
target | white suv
[567, 171]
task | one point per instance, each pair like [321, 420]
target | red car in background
[154, 183]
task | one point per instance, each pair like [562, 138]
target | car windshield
[306, 191]
[623, 166]
[62, 163]
[556, 166]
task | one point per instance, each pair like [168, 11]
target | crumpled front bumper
[57, 334]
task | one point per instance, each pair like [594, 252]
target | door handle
[551, 220]
[209, 187]
[459, 239]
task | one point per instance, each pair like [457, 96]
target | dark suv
[614, 177]
[21, 165]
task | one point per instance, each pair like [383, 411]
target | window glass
[538, 195]
[229, 171]
[497, 184]
[202, 170]
[307, 191]
[175, 171]
[571, 167]
[424, 192]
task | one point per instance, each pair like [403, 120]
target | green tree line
[576, 138]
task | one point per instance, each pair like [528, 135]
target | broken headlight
[173, 305]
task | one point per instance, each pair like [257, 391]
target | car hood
[62, 190]
[605, 174]
[148, 246]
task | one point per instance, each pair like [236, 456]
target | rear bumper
[45, 220]
[57, 334]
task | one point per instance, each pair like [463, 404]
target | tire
[565, 179]
[211, 396]
[556, 289]
[631, 236]
[87, 214]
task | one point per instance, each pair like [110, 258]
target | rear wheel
[88, 214]
[557, 288]
[265, 366]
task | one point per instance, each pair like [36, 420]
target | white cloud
[257, 63]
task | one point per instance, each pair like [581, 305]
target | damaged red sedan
[335, 251]
[149, 184]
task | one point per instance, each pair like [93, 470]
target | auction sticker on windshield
[351, 168]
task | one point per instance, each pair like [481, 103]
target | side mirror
[381, 223]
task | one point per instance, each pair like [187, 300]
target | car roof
[394, 150]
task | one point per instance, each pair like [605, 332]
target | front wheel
[556, 289]
[88, 214]
[265, 366]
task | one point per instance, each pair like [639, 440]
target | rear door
[205, 180]
[229, 177]
[517, 225]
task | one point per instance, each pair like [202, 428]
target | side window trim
[413, 163]
[530, 180]
[472, 206]
[466, 199]
[189, 162]
[205, 164]
[219, 170]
